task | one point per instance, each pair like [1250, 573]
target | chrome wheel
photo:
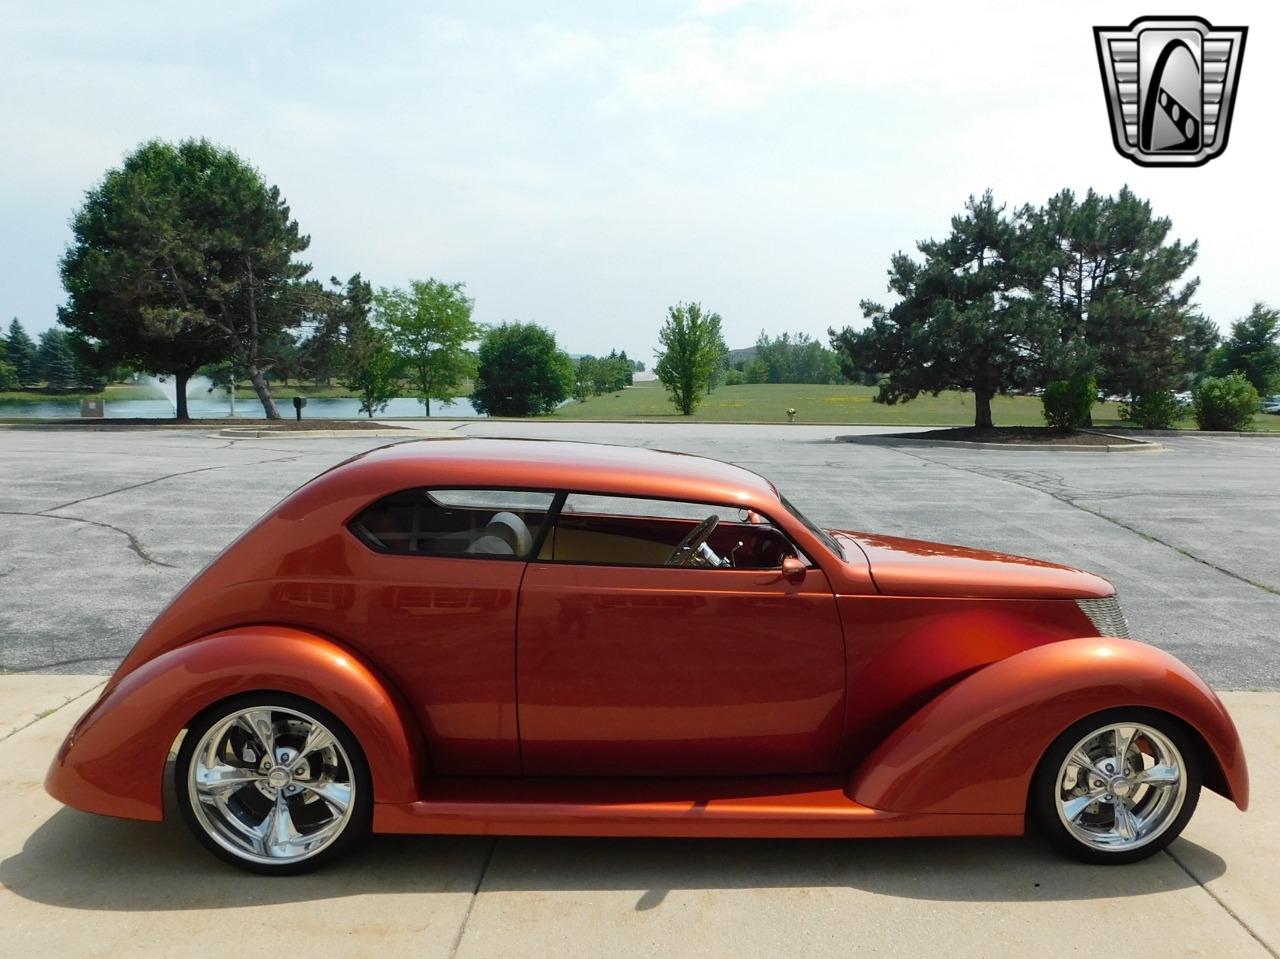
[1121, 787]
[271, 785]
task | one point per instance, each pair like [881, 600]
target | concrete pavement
[72, 884]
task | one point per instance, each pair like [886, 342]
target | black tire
[1043, 799]
[354, 830]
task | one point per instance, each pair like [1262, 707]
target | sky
[586, 165]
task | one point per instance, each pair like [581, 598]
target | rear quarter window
[460, 523]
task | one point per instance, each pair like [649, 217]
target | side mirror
[793, 569]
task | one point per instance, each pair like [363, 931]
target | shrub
[520, 371]
[1152, 411]
[1225, 403]
[1068, 403]
[734, 377]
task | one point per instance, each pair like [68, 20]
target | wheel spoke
[1126, 826]
[1123, 754]
[337, 795]
[1117, 748]
[1078, 758]
[276, 834]
[259, 722]
[323, 833]
[1160, 776]
[318, 738]
[1074, 807]
[223, 778]
[285, 833]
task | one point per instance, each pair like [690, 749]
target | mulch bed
[1038, 435]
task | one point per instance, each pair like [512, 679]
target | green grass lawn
[114, 391]
[768, 403]
[128, 391]
[286, 390]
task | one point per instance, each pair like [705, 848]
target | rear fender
[113, 760]
[975, 748]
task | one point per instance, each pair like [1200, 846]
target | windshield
[827, 539]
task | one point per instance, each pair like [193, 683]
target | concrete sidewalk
[78, 885]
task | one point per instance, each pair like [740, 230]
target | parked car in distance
[1271, 404]
[551, 638]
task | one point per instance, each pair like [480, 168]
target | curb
[1243, 434]
[237, 433]
[1133, 446]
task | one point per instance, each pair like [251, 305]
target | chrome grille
[1106, 616]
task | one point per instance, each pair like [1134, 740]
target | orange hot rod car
[537, 638]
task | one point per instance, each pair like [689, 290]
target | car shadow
[78, 861]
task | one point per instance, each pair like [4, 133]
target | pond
[248, 408]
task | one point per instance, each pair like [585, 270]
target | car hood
[913, 567]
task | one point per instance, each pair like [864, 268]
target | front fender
[113, 760]
[976, 746]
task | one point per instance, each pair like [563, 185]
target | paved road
[99, 529]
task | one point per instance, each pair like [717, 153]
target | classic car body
[511, 651]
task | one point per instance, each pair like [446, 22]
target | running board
[811, 807]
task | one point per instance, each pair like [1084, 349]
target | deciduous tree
[430, 326]
[797, 359]
[692, 347]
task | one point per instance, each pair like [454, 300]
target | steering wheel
[687, 550]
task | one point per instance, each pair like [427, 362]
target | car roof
[563, 465]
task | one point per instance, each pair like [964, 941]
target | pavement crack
[54, 664]
[134, 543]
[1062, 496]
[475, 893]
[1168, 851]
[161, 479]
[45, 714]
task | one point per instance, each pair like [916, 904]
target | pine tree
[1253, 349]
[181, 257]
[56, 360]
[22, 354]
[967, 317]
[1115, 282]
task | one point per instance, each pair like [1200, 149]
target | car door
[629, 667]
[440, 584]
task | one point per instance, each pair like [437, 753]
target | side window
[625, 531]
[478, 523]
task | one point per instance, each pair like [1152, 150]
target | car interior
[588, 530]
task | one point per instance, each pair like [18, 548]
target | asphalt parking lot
[99, 529]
